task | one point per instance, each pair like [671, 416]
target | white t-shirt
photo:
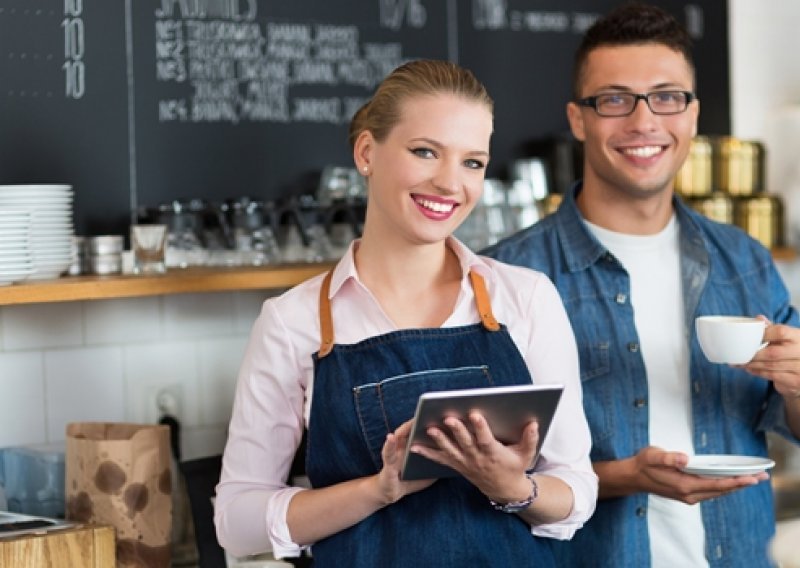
[677, 536]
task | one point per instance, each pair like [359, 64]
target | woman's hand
[389, 482]
[498, 470]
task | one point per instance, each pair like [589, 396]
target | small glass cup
[148, 243]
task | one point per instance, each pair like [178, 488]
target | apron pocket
[383, 406]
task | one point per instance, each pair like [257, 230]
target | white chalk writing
[239, 69]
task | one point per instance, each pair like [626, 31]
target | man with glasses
[634, 267]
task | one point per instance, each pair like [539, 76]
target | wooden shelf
[175, 281]
[784, 253]
[182, 281]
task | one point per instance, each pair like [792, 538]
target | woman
[348, 353]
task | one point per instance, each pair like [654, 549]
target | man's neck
[622, 213]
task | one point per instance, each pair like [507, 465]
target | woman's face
[428, 173]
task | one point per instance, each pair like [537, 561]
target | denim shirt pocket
[597, 393]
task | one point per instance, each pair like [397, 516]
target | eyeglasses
[623, 104]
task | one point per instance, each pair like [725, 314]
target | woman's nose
[447, 177]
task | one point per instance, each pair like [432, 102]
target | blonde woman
[408, 309]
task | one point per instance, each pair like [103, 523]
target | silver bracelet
[517, 506]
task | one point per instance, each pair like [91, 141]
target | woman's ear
[575, 117]
[363, 149]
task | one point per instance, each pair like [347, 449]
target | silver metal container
[105, 244]
[105, 263]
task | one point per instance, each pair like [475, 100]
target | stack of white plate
[50, 225]
[15, 256]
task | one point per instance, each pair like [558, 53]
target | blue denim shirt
[724, 271]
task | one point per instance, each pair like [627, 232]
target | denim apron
[366, 390]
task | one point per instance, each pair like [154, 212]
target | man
[634, 267]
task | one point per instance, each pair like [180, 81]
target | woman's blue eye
[423, 152]
[474, 164]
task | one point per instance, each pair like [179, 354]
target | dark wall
[137, 102]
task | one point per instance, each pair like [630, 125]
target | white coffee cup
[733, 340]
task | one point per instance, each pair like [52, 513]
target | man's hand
[657, 471]
[779, 361]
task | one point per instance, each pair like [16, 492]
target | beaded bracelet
[517, 506]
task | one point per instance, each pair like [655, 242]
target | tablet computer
[507, 409]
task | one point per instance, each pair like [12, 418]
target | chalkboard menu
[138, 102]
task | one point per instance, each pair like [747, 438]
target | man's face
[637, 154]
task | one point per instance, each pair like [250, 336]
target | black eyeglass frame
[591, 102]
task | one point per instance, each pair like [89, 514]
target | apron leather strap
[482, 302]
[325, 317]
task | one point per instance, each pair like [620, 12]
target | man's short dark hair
[630, 24]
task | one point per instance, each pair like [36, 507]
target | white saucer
[718, 465]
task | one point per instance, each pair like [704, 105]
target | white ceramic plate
[8, 245]
[15, 274]
[720, 465]
[28, 189]
[36, 200]
[19, 257]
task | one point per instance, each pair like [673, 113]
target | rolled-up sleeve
[544, 336]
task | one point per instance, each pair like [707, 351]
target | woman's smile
[434, 208]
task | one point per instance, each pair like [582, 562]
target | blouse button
[641, 511]
[640, 403]
[633, 347]
[620, 299]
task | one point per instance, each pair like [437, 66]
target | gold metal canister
[738, 166]
[695, 175]
[761, 217]
[550, 203]
[717, 206]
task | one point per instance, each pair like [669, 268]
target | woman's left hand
[498, 470]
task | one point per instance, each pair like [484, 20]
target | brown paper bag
[119, 474]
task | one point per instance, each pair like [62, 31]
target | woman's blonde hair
[422, 77]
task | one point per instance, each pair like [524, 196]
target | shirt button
[633, 347]
[641, 511]
[640, 403]
[621, 298]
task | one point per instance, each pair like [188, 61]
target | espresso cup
[733, 340]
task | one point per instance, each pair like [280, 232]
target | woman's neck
[425, 277]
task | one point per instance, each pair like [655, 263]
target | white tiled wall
[107, 360]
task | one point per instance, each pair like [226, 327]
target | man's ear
[575, 118]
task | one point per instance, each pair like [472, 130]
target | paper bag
[119, 474]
